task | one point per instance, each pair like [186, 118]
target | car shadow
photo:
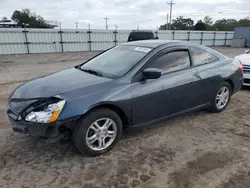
[138, 130]
[36, 150]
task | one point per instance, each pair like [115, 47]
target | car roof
[152, 43]
[157, 43]
[142, 31]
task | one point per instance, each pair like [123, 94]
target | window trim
[192, 56]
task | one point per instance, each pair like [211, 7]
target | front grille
[247, 81]
[11, 113]
[246, 68]
[18, 106]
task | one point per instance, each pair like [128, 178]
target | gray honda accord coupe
[133, 84]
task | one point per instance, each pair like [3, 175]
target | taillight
[240, 68]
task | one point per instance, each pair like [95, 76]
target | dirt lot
[194, 150]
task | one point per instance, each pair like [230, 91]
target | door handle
[188, 83]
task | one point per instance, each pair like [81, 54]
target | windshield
[116, 61]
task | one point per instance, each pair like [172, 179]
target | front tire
[97, 132]
[221, 98]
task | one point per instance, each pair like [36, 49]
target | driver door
[175, 91]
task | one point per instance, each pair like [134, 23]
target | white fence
[22, 41]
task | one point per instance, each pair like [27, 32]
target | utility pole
[106, 18]
[167, 27]
[170, 20]
[77, 26]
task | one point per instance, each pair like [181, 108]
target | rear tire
[97, 132]
[221, 98]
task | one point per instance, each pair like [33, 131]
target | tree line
[25, 18]
[207, 23]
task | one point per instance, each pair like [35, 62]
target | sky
[126, 14]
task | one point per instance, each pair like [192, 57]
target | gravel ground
[194, 150]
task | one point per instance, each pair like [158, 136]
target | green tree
[245, 22]
[29, 19]
[181, 23]
[225, 24]
[208, 21]
[164, 27]
[200, 25]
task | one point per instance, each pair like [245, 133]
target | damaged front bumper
[35, 129]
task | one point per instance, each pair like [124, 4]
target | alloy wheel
[101, 134]
[222, 98]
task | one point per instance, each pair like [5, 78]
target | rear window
[140, 36]
[201, 57]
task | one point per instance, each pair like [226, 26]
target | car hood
[244, 58]
[67, 83]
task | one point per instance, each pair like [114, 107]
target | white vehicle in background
[245, 60]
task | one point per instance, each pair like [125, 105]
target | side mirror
[152, 73]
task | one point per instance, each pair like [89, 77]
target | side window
[201, 57]
[172, 61]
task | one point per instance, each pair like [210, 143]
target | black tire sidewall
[79, 134]
[215, 108]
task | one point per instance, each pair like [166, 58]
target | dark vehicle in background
[134, 84]
[136, 35]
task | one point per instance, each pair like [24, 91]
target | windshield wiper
[91, 71]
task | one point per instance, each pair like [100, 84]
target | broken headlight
[49, 114]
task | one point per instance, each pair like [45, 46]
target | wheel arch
[124, 118]
[231, 84]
